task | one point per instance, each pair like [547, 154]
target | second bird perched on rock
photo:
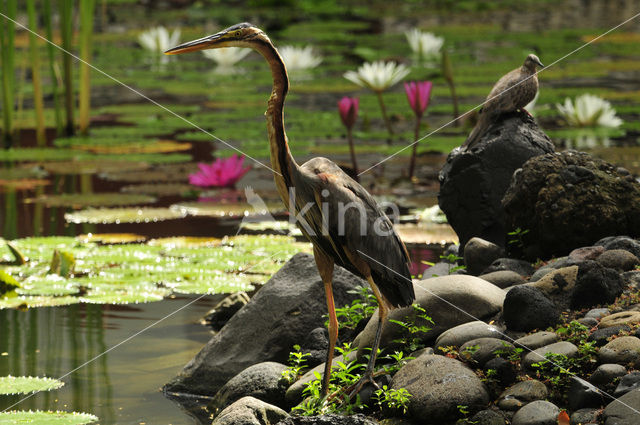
[512, 92]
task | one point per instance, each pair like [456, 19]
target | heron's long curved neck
[281, 160]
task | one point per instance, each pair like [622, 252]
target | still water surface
[120, 387]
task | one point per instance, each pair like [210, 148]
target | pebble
[503, 278]
[622, 350]
[537, 340]
[606, 373]
[460, 334]
[601, 336]
[538, 412]
[598, 313]
[522, 393]
[586, 253]
[621, 318]
[562, 347]
[618, 259]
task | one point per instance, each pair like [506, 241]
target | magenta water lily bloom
[348, 107]
[418, 94]
[223, 172]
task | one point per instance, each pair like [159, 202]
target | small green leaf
[62, 263]
[19, 258]
[27, 384]
[7, 283]
[46, 418]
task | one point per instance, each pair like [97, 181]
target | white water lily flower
[227, 57]
[589, 110]
[159, 39]
[425, 44]
[377, 76]
[299, 58]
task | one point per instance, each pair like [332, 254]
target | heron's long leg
[383, 310]
[325, 268]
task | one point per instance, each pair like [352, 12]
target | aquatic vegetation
[87, 8]
[226, 58]
[299, 58]
[378, 77]
[82, 200]
[233, 210]
[46, 418]
[7, 64]
[122, 215]
[27, 384]
[425, 45]
[65, 10]
[348, 108]
[35, 74]
[589, 111]
[158, 39]
[223, 172]
[418, 95]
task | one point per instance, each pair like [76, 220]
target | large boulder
[438, 385]
[282, 313]
[568, 200]
[448, 300]
[473, 182]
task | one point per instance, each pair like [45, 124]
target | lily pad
[221, 210]
[48, 285]
[22, 184]
[37, 301]
[27, 384]
[123, 215]
[46, 418]
[161, 173]
[18, 173]
[7, 282]
[185, 241]
[166, 189]
[81, 200]
[92, 167]
[133, 297]
[159, 146]
[111, 238]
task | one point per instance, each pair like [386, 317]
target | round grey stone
[479, 254]
[622, 350]
[250, 411]
[538, 412]
[624, 410]
[618, 259]
[598, 313]
[460, 334]
[503, 278]
[439, 385]
[537, 355]
[537, 340]
[480, 350]
[522, 393]
[606, 373]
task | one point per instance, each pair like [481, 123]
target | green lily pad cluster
[27, 385]
[66, 270]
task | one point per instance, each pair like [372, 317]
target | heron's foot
[357, 387]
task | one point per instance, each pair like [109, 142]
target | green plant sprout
[297, 363]
[362, 307]
[391, 398]
[412, 341]
[516, 237]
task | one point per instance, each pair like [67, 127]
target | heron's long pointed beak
[203, 43]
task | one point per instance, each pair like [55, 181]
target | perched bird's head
[238, 35]
[531, 61]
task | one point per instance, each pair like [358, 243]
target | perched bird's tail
[484, 121]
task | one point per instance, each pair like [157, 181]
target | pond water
[122, 386]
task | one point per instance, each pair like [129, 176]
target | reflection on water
[121, 386]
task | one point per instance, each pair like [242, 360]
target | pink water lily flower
[223, 172]
[418, 93]
[348, 107]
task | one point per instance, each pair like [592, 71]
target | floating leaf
[51, 284]
[7, 282]
[46, 418]
[18, 173]
[38, 301]
[160, 173]
[62, 263]
[167, 189]
[159, 146]
[221, 210]
[134, 297]
[19, 258]
[80, 200]
[123, 215]
[111, 238]
[27, 384]
[185, 241]
[92, 167]
[23, 184]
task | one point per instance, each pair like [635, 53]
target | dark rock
[601, 336]
[330, 419]
[523, 268]
[627, 383]
[262, 381]
[569, 200]
[595, 285]
[458, 335]
[624, 410]
[480, 350]
[622, 350]
[537, 412]
[618, 259]
[471, 296]
[583, 394]
[526, 308]
[505, 372]
[503, 279]
[438, 386]
[536, 340]
[315, 345]
[250, 411]
[488, 417]
[479, 254]
[621, 242]
[222, 312]
[473, 182]
[538, 355]
[281, 314]
[516, 396]
[585, 416]
[589, 322]
[606, 374]
[586, 253]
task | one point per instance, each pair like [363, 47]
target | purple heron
[358, 237]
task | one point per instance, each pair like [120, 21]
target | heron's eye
[238, 33]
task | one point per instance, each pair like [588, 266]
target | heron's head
[238, 35]
[531, 61]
